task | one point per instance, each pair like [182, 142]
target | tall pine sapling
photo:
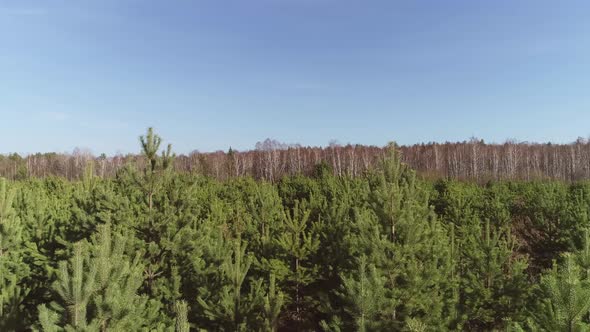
[364, 295]
[566, 299]
[273, 303]
[299, 242]
[12, 267]
[231, 309]
[415, 260]
[150, 145]
[181, 310]
[97, 289]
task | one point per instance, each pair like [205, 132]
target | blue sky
[209, 74]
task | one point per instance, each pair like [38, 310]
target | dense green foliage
[163, 251]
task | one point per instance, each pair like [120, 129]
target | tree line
[271, 160]
[151, 248]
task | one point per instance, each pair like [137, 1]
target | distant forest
[271, 160]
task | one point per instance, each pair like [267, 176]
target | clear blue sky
[210, 74]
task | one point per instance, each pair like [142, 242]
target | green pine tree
[566, 299]
[364, 294]
[299, 242]
[150, 145]
[97, 289]
[416, 259]
[273, 303]
[493, 281]
[181, 310]
[231, 309]
[12, 267]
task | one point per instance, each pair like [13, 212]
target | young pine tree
[231, 309]
[273, 303]
[564, 303]
[150, 145]
[158, 225]
[12, 267]
[415, 260]
[493, 281]
[97, 290]
[364, 295]
[266, 209]
[299, 242]
[181, 310]
[565, 299]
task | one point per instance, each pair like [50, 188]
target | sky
[210, 74]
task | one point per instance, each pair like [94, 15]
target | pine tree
[493, 279]
[364, 294]
[181, 310]
[416, 260]
[395, 186]
[10, 225]
[157, 227]
[582, 256]
[563, 295]
[415, 325]
[566, 299]
[97, 289]
[266, 209]
[12, 267]
[76, 286]
[273, 303]
[150, 144]
[299, 242]
[89, 180]
[230, 309]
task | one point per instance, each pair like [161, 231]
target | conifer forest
[383, 248]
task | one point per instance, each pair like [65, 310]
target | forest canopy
[386, 249]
